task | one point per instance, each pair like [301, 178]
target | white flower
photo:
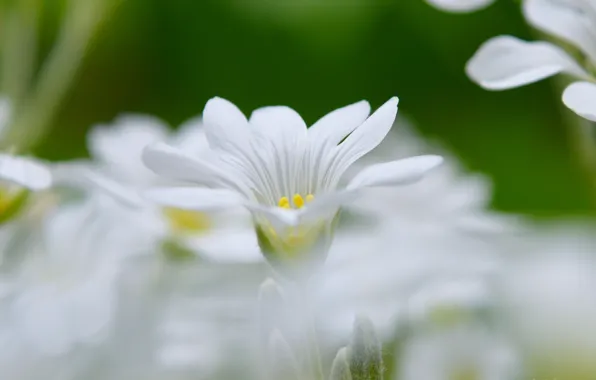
[507, 62]
[468, 352]
[285, 174]
[460, 6]
[548, 299]
[117, 150]
[62, 290]
[396, 245]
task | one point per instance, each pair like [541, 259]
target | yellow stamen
[310, 198]
[284, 202]
[184, 221]
[298, 200]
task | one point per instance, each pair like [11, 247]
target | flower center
[297, 201]
[187, 222]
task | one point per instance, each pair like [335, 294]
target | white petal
[195, 198]
[326, 206]
[25, 172]
[278, 123]
[126, 195]
[399, 172]
[190, 137]
[121, 143]
[580, 97]
[278, 217]
[506, 62]
[460, 6]
[364, 139]
[175, 164]
[226, 126]
[336, 125]
[565, 20]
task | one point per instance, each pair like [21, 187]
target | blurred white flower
[285, 174]
[117, 150]
[506, 62]
[467, 352]
[460, 6]
[408, 242]
[62, 290]
[548, 300]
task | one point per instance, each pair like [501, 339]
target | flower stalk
[35, 113]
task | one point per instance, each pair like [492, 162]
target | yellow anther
[284, 202]
[310, 198]
[298, 200]
[185, 221]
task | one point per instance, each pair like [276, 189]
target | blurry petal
[194, 198]
[25, 172]
[565, 20]
[117, 191]
[460, 6]
[399, 172]
[506, 62]
[121, 143]
[580, 97]
[175, 164]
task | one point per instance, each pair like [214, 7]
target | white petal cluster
[505, 62]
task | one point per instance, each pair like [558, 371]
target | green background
[167, 57]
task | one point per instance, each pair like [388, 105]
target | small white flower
[117, 150]
[506, 62]
[466, 353]
[460, 6]
[62, 291]
[285, 174]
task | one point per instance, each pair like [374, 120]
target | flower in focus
[117, 150]
[287, 175]
[62, 288]
[506, 62]
[460, 6]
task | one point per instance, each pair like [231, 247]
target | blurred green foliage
[167, 57]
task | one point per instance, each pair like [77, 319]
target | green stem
[314, 353]
[33, 118]
[19, 49]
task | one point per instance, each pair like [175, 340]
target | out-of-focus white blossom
[117, 150]
[467, 352]
[506, 62]
[431, 234]
[62, 287]
[460, 6]
[285, 174]
[548, 300]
